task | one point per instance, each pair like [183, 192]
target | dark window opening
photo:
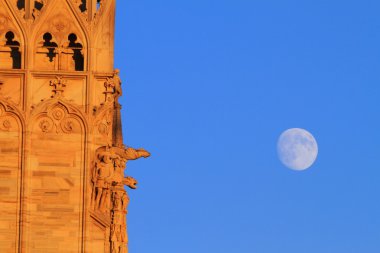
[83, 6]
[38, 5]
[20, 4]
[15, 50]
[51, 46]
[77, 49]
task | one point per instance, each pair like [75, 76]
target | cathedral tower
[62, 157]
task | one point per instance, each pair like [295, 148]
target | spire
[117, 132]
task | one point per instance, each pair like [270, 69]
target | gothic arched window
[47, 52]
[50, 46]
[76, 48]
[10, 54]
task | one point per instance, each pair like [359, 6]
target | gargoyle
[130, 182]
[133, 154]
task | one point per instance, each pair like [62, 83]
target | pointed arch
[61, 21]
[12, 39]
[56, 176]
[47, 106]
[11, 160]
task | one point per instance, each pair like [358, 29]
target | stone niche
[55, 181]
[10, 169]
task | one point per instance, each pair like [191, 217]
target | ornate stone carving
[46, 125]
[59, 85]
[58, 113]
[113, 89]
[109, 171]
[60, 26]
[103, 122]
[58, 120]
[7, 120]
[103, 129]
[67, 125]
[108, 194]
[6, 124]
[102, 179]
[59, 51]
[119, 237]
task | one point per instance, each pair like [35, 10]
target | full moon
[297, 149]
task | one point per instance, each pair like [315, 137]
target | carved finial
[59, 87]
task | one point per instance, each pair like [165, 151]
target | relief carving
[58, 120]
[46, 125]
[7, 119]
[59, 85]
[103, 122]
[58, 113]
[60, 26]
[6, 124]
[113, 88]
[67, 125]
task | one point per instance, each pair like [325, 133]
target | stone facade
[62, 157]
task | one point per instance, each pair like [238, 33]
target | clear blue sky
[208, 88]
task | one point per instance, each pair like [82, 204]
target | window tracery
[36, 5]
[50, 46]
[10, 54]
[77, 52]
[84, 4]
[65, 56]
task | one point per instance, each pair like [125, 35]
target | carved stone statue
[109, 195]
[113, 88]
[117, 86]
[102, 179]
